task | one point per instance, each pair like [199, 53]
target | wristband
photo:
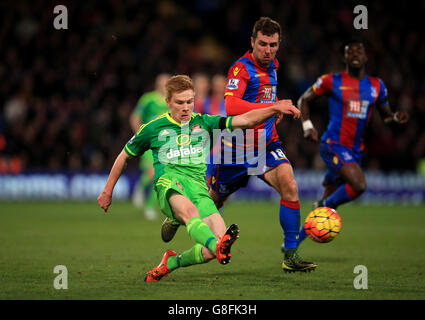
[395, 118]
[307, 125]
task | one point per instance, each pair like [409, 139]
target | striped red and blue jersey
[253, 83]
[351, 103]
[212, 106]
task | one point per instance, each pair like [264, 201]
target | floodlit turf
[107, 255]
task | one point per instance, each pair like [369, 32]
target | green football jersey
[178, 148]
[150, 105]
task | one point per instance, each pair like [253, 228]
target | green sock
[187, 258]
[201, 233]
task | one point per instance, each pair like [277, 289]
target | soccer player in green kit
[180, 143]
[150, 105]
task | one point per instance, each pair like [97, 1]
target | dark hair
[350, 41]
[267, 26]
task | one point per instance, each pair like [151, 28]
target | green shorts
[194, 190]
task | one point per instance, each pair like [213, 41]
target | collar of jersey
[168, 116]
[250, 57]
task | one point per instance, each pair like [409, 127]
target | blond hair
[177, 84]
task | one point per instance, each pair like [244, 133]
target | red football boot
[161, 270]
[225, 243]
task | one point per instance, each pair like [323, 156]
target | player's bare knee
[289, 190]
[193, 212]
[187, 213]
[359, 187]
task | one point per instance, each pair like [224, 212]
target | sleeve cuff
[129, 152]
[229, 123]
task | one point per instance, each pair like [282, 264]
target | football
[323, 224]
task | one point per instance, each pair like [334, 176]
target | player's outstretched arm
[255, 117]
[236, 106]
[310, 133]
[105, 198]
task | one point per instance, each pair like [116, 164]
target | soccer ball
[323, 224]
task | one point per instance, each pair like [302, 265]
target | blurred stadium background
[66, 95]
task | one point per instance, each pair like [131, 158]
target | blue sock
[342, 195]
[302, 236]
[290, 221]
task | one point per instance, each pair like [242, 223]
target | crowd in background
[66, 95]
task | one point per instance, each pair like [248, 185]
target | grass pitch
[107, 255]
